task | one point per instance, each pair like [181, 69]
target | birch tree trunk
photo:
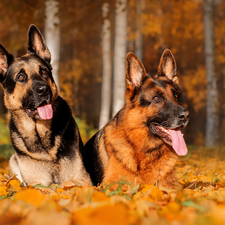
[139, 39]
[212, 112]
[119, 55]
[107, 68]
[52, 36]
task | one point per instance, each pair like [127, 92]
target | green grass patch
[6, 151]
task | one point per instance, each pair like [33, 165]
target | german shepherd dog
[43, 132]
[141, 143]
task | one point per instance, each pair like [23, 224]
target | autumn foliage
[200, 198]
[173, 24]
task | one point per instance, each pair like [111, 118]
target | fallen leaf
[106, 214]
[30, 196]
[99, 197]
[14, 184]
[3, 191]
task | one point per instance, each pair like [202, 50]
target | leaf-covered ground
[201, 200]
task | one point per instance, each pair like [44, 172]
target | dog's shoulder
[92, 158]
[64, 126]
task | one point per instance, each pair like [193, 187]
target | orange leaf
[105, 214]
[3, 191]
[99, 197]
[156, 194]
[146, 188]
[30, 196]
[15, 184]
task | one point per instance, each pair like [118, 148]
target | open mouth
[162, 133]
[173, 137]
[44, 110]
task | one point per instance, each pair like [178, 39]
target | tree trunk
[212, 112]
[52, 36]
[119, 55]
[139, 39]
[107, 68]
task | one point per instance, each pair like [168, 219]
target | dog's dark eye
[43, 72]
[176, 95]
[156, 98]
[20, 77]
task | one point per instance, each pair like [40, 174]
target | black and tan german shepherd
[44, 134]
[142, 141]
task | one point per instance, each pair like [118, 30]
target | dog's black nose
[184, 115]
[42, 90]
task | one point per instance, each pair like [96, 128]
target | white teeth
[163, 129]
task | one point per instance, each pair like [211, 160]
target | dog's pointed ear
[135, 71]
[36, 44]
[167, 66]
[5, 60]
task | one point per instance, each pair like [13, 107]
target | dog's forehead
[165, 83]
[152, 84]
[28, 63]
[161, 85]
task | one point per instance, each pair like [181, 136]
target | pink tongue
[45, 112]
[178, 142]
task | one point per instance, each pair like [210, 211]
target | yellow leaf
[173, 207]
[3, 191]
[137, 196]
[99, 197]
[156, 194]
[15, 184]
[60, 190]
[146, 188]
[57, 196]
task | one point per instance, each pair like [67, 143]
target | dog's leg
[14, 168]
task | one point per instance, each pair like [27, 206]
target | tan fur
[37, 160]
[134, 152]
[124, 161]
[40, 172]
[37, 167]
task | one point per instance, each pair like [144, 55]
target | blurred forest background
[90, 39]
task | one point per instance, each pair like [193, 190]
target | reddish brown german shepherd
[142, 141]
[44, 134]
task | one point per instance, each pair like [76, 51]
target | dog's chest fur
[138, 158]
[27, 133]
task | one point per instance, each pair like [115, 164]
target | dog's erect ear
[167, 66]
[135, 71]
[36, 44]
[5, 60]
